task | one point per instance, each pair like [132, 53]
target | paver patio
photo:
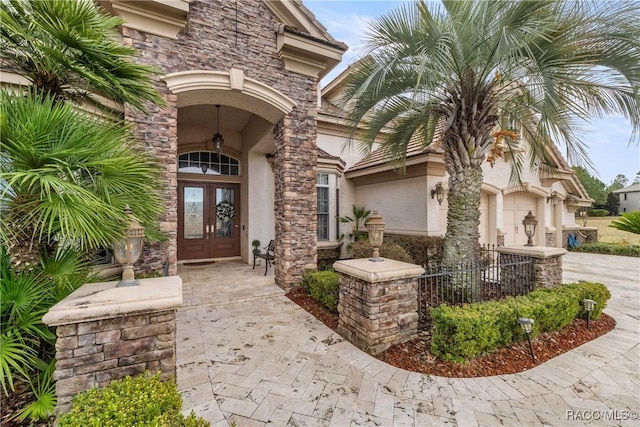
[246, 353]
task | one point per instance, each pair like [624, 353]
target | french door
[208, 220]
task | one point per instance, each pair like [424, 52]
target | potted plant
[256, 245]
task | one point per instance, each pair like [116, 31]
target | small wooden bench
[268, 255]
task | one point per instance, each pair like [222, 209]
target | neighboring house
[280, 171]
[629, 198]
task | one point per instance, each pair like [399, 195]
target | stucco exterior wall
[631, 203]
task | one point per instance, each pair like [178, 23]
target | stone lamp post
[127, 250]
[530, 224]
[375, 227]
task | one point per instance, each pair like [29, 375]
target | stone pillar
[106, 333]
[378, 303]
[295, 163]
[547, 263]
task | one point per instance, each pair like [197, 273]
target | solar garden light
[375, 228]
[527, 325]
[127, 250]
[529, 223]
[588, 305]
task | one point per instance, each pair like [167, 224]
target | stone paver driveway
[247, 354]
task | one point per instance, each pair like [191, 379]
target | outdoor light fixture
[554, 198]
[204, 168]
[527, 325]
[588, 305]
[217, 140]
[127, 250]
[529, 223]
[375, 227]
[438, 193]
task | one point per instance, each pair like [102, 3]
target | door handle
[207, 231]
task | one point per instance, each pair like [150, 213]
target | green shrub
[598, 212]
[620, 249]
[143, 400]
[460, 333]
[422, 249]
[323, 286]
[363, 249]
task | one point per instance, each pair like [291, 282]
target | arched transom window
[208, 163]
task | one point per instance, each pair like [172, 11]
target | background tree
[613, 204]
[459, 70]
[636, 180]
[596, 189]
[620, 181]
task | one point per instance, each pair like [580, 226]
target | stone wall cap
[103, 300]
[532, 251]
[374, 272]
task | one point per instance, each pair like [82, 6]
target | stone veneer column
[106, 333]
[157, 133]
[378, 302]
[295, 165]
[547, 263]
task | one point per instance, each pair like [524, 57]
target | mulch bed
[415, 355]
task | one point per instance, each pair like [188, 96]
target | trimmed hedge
[461, 333]
[143, 400]
[363, 249]
[324, 287]
[598, 212]
[609, 249]
[422, 249]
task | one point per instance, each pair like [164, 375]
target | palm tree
[461, 70]
[70, 50]
[66, 177]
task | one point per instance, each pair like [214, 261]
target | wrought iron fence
[493, 277]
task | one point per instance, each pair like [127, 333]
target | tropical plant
[357, 221]
[630, 222]
[459, 74]
[67, 177]
[26, 344]
[71, 51]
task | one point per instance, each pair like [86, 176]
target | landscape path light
[529, 223]
[375, 228]
[588, 305]
[127, 250]
[527, 326]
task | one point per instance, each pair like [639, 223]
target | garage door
[516, 207]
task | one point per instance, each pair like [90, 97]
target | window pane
[323, 179]
[193, 213]
[323, 227]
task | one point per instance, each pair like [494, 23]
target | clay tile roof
[379, 156]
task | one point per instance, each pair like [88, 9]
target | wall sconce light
[204, 168]
[588, 305]
[438, 193]
[554, 198]
[527, 326]
[529, 223]
[375, 227]
[127, 250]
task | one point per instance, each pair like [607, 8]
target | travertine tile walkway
[247, 354]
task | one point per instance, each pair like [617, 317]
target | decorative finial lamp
[127, 250]
[375, 227]
[529, 223]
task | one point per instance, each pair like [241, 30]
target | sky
[607, 138]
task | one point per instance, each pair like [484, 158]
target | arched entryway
[225, 196]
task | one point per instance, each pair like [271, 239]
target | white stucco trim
[526, 187]
[165, 18]
[185, 83]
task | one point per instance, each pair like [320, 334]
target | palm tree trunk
[461, 243]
